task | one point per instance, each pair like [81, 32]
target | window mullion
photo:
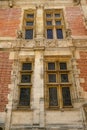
[60, 97]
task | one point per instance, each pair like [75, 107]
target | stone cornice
[29, 3]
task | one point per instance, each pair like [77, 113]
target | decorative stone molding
[76, 2]
[57, 43]
[68, 33]
[51, 43]
[39, 6]
[85, 110]
[19, 34]
[10, 3]
[86, 22]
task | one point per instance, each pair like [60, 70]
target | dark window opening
[52, 78]
[27, 66]
[66, 96]
[25, 78]
[63, 66]
[59, 33]
[24, 97]
[51, 66]
[53, 98]
[30, 15]
[49, 33]
[29, 34]
[64, 77]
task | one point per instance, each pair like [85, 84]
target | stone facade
[15, 50]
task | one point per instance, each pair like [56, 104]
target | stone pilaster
[38, 89]
[39, 21]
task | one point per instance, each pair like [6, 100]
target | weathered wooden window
[25, 84]
[54, 24]
[58, 84]
[29, 23]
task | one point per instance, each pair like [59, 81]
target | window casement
[28, 25]
[25, 85]
[57, 84]
[54, 24]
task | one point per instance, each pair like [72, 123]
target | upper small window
[54, 24]
[29, 22]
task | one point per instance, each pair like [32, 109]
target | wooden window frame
[57, 84]
[25, 19]
[54, 19]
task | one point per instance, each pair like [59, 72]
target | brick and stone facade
[15, 50]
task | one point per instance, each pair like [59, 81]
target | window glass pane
[64, 77]
[52, 77]
[49, 22]
[59, 33]
[25, 78]
[57, 15]
[30, 15]
[63, 66]
[66, 96]
[29, 34]
[48, 15]
[51, 66]
[58, 22]
[29, 23]
[24, 97]
[27, 66]
[53, 98]
[49, 33]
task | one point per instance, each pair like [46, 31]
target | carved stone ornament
[51, 43]
[85, 110]
[86, 21]
[19, 34]
[76, 2]
[68, 33]
[10, 3]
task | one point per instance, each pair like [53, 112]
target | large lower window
[29, 22]
[25, 84]
[54, 24]
[58, 86]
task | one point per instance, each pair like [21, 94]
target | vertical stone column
[38, 89]
[76, 75]
[39, 21]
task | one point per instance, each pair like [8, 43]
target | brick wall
[9, 22]
[5, 78]
[82, 65]
[75, 21]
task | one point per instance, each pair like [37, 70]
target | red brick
[74, 16]
[82, 65]
[9, 22]
[5, 80]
